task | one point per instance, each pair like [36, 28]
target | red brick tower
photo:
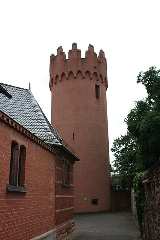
[79, 114]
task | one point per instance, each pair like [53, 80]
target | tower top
[91, 64]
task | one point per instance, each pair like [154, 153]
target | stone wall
[133, 203]
[152, 211]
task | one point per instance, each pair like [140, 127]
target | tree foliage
[139, 148]
[124, 149]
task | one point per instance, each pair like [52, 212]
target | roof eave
[61, 146]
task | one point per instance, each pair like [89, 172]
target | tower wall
[79, 114]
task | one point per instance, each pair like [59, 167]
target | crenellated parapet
[92, 65]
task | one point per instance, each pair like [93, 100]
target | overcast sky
[128, 31]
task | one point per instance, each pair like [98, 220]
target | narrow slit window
[97, 91]
[73, 136]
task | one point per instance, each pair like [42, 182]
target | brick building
[36, 171]
[79, 113]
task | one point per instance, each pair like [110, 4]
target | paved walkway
[109, 226]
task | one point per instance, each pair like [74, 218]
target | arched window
[21, 172]
[65, 174]
[17, 167]
[13, 178]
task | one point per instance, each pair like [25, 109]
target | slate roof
[24, 109]
[2, 90]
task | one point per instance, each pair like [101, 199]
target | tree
[151, 80]
[124, 149]
[139, 149]
[144, 120]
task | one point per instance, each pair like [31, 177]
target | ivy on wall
[140, 198]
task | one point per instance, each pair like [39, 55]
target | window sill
[12, 188]
[66, 185]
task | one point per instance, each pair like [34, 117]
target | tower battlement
[92, 64]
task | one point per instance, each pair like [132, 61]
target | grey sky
[127, 31]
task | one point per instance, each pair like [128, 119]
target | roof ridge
[13, 86]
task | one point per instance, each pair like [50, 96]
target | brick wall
[64, 200]
[152, 211]
[26, 215]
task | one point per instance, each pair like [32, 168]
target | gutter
[61, 146]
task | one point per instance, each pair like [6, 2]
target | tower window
[97, 91]
[94, 201]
